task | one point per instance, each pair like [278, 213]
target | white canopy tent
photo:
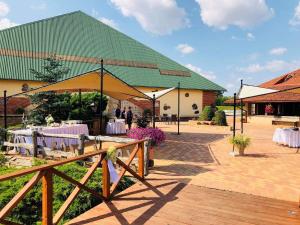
[247, 91]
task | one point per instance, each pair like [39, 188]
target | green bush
[29, 210]
[220, 118]
[3, 160]
[207, 114]
[20, 110]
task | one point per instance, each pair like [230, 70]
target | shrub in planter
[207, 114]
[241, 142]
[220, 118]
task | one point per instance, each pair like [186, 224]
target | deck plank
[171, 202]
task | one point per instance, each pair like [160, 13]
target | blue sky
[225, 40]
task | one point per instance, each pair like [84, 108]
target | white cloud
[185, 48]
[6, 23]
[242, 13]
[278, 51]
[159, 17]
[4, 9]
[250, 37]
[271, 66]
[39, 6]
[109, 22]
[207, 74]
[296, 18]
[229, 86]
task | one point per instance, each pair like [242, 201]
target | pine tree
[48, 102]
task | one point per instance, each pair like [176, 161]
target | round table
[116, 127]
[287, 136]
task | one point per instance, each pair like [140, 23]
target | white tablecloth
[64, 129]
[117, 127]
[287, 136]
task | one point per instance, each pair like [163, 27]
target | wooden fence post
[34, 143]
[47, 198]
[105, 178]
[81, 139]
[141, 159]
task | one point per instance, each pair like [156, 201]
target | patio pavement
[200, 156]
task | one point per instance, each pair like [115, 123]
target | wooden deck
[167, 201]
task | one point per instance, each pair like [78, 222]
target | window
[187, 95]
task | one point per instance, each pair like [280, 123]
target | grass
[228, 107]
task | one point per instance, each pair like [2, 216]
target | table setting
[287, 136]
[116, 126]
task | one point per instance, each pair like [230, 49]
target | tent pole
[153, 111]
[234, 115]
[101, 96]
[5, 109]
[80, 103]
[178, 106]
[242, 113]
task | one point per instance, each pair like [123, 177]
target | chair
[165, 118]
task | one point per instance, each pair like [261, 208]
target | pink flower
[156, 135]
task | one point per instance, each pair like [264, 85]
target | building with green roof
[81, 41]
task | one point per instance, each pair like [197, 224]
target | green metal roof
[77, 34]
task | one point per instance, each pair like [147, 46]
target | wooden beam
[123, 171]
[141, 160]
[105, 179]
[20, 195]
[127, 168]
[47, 198]
[75, 192]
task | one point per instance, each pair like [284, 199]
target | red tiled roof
[283, 82]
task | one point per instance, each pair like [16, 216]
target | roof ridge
[41, 20]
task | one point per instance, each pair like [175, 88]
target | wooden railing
[46, 172]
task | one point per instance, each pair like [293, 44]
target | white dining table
[287, 136]
[116, 127]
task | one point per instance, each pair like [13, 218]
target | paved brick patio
[200, 156]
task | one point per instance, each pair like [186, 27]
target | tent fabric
[159, 94]
[112, 86]
[248, 91]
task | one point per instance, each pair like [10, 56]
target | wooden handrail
[46, 172]
[59, 163]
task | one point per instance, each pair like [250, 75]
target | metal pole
[153, 111]
[178, 116]
[80, 104]
[242, 113]
[101, 95]
[234, 115]
[5, 109]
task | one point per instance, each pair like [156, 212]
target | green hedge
[220, 118]
[207, 114]
[29, 210]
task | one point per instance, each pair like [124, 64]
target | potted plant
[156, 136]
[269, 109]
[241, 142]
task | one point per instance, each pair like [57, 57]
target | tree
[48, 102]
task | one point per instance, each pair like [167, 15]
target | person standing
[129, 117]
[118, 112]
[123, 114]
